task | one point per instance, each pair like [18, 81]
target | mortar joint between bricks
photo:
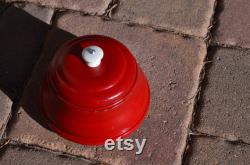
[20, 144]
[210, 28]
[229, 46]
[113, 5]
[207, 41]
[238, 141]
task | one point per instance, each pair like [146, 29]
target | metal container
[94, 90]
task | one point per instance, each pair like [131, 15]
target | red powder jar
[94, 90]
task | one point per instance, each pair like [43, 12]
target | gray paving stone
[42, 13]
[214, 151]
[172, 66]
[91, 7]
[190, 17]
[233, 23]
[225, 106]
[14, 155]
[5, 111]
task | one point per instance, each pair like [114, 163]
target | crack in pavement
[229, 46]
[114, 4]
[59, 153]
[200, 88]
[231, 141]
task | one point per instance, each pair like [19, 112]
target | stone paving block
[189, 17]
[225, 106]
[213, 151]
[86, 6]
[28, 125]
[28, 130]
[172, 66]
[42, 13]
[5, 111]
[233, 23]
[20, 155]
[22, 37]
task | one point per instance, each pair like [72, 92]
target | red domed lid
[93, 72]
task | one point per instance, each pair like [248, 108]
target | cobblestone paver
[86, 6]
[214, 151]
[177, 15]
[225, 107]
[28, 156]
[233, 23]
[41, 13]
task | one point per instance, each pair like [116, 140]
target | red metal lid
[93, 88]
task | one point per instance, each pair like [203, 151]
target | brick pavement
[178, 16]
[233, 23]
[29, 156]
[42, 13]
[91, 7]
[207, 150]
[225, 102]
[199, 109]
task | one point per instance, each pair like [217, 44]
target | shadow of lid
[26, 47]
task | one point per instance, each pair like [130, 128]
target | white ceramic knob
[92, 55]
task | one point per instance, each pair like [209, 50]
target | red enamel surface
[89, 105]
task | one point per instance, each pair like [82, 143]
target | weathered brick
[22, 37]
[42, 13]
[225, 106]
[190, 17]
[214, 151]
[233, 23]
[5, 111]
[91, 7]
[29, 156]
[172, 66]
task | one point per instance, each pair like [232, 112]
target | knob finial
[92, 55]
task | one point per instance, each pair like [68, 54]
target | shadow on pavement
[23, 40]
[219, 9]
